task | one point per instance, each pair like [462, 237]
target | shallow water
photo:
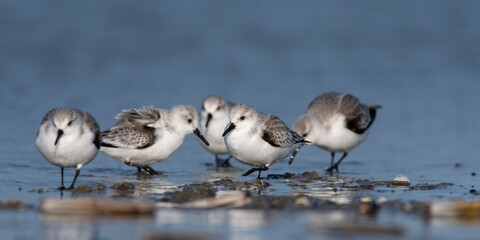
[420, 61]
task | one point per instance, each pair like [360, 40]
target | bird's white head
[66, 121]
[305, 127]
[242, 116]
[185, 120]
[213, 107]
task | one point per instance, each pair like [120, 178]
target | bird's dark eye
[242, 118]
[304, 135]
[70, 123]
[218, 108]
[189, 120]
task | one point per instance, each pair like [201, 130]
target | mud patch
[123, 189]
[313, 175]
[99, 186]
[258, 184]
[370, 185]
[123, 186]
[431, 186]
[83, 189]
[191, 192]
[40, 190]
[13, 203]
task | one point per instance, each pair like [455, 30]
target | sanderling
[336, 122]
[259, 139]
[68, 138]
[145, 136]
[214, 118]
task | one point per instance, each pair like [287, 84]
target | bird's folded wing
[95, 128]
[133, 137]
[276, 133]
[357, 115]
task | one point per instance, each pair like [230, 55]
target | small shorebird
[68, 138]
[214, 118]
[259, 139]
[335, 122]
[145, 136]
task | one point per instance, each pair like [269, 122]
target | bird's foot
[223, 163]
[150, 170]
[330, 169]
[260, 169]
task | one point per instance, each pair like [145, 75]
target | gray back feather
[133, 136]
[94, 127]
[131, 131]
[277, 133]
[358, 115]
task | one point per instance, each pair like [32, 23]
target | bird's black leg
[260, 171]
[332, 161]
[150, 170]
[77, 172]
[339, 161]
[226, 162]
[336, 164]
[222, 162]
[62, 187]
[139, 169]
[293, 156]
[249, 172]
[255, 169]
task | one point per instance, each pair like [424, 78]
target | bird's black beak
[59, 134]
[199, 135]
[209, 117]
[230, 128]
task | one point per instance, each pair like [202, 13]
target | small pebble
[474, 174]
[367, 208]
[365, 200]
[302, 202]
[42, 190]
[13, 203]
[261, 183]
[401, 178]
[407, 207]
[381, 200]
